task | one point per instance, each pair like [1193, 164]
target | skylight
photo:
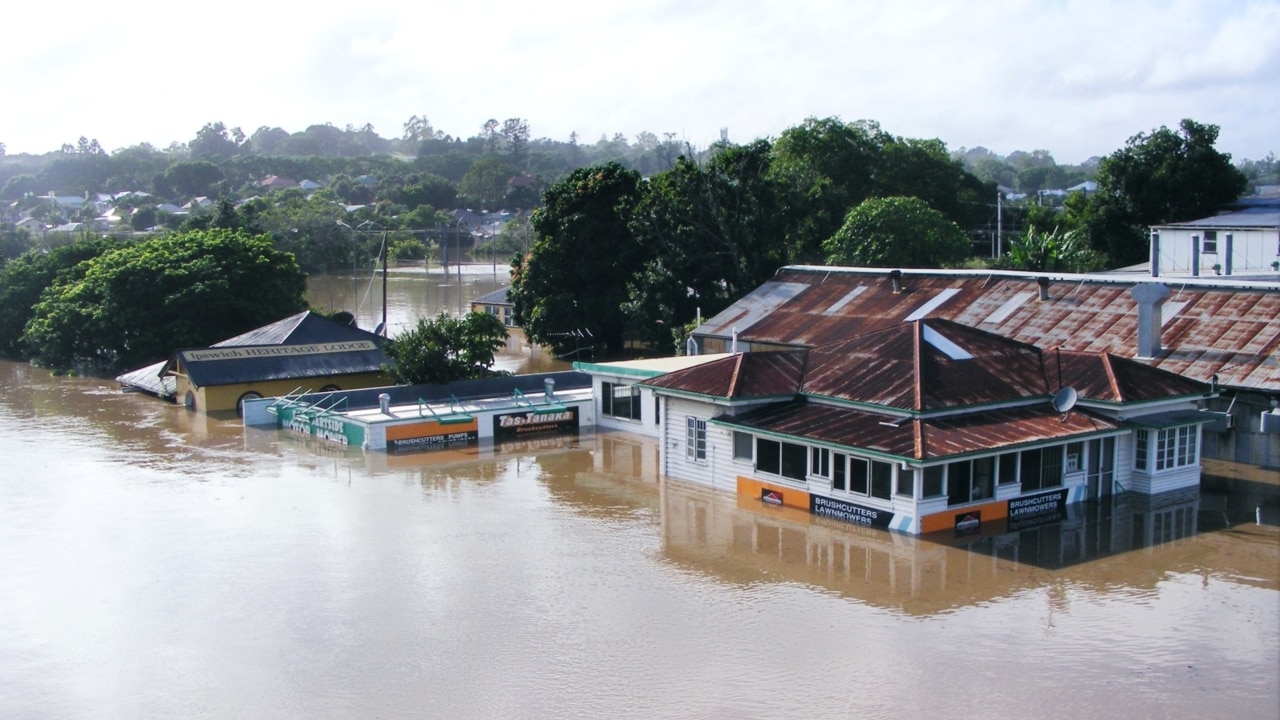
[933, 304]
[945, 346]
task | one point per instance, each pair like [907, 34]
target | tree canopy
[901, 232]
[569, 292]
[135, 303]
[1165, 176]
[447, 349]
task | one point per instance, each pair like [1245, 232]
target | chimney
[895, 276]
[1155, 254]
[549, 390]
[1150, 298]
[1043, 283]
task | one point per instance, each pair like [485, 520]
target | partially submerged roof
[497, 297]
[302, 346]
[1209, 326]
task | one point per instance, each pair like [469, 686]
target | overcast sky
[1076, 78]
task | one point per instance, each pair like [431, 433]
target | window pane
[858, 475]
[794, 461]
[983, 483]
[959, 475]
[838, 478]
[742, 445]
[1031, 467]
[1008, 468]
[907, 483]
[881, 479]
[769, 456]
[1140, 450]
[933, 480]
[1051, 470]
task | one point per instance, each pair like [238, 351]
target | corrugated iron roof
[921, 439]
[1100, 376]
[926, 365]
[740, 376]
[1211, 326]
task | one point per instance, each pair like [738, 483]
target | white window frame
[695, 438]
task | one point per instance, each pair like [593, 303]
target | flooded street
[157, 564]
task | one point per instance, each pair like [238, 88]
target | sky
[1075, 77]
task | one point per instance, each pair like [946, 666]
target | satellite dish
[1065, 399]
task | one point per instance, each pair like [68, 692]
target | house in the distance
[1243, 241]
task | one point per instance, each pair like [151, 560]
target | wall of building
[675, 413]
[224, 398]
[1253, 251]
[1244, 443]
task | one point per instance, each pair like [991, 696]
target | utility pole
[999, 224]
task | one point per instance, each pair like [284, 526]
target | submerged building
[930, 425]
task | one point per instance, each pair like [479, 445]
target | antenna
[1064, 400]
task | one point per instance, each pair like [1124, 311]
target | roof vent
[1043, 283]
[895, 277]
[1150, 297]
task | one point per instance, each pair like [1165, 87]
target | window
[933, 480]
[881, 479]
[768, 456]
[742, 445]
[839, 477]
[1008, 468]
[1041, 468]
[1175, 447]
[794, 461]
[695, 439]
[907, 483]
[859, 475]
[820, 462]
[620, 401]
[1210, 241]
[780, 458]
[1140, 442]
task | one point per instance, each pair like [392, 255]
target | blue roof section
[300, 347]
[497, 297]
[260, 363]
[304, 328]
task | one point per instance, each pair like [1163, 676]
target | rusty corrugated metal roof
[921, 439]
[1210, 326]
[1101, 376]
[740, 376]
[926, 365]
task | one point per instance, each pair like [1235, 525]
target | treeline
[620, 259]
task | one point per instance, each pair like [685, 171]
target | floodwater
[157, 564]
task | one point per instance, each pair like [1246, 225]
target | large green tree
[899, 232]
[23, 279]
[569, 293]
[447, 348]
[717, 232]
[136, 303]
[1166, 176]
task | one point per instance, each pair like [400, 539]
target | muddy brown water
[155, 563]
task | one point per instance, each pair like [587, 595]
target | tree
[1055, 250]
[136, 303]
[1167, 176]
[214, 140]
[485, 184]
[897, 232]
[570, 291]
[447, 349]
[715, 232]
[24, 278]
[195, 178]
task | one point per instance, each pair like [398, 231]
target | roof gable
[740, 376]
